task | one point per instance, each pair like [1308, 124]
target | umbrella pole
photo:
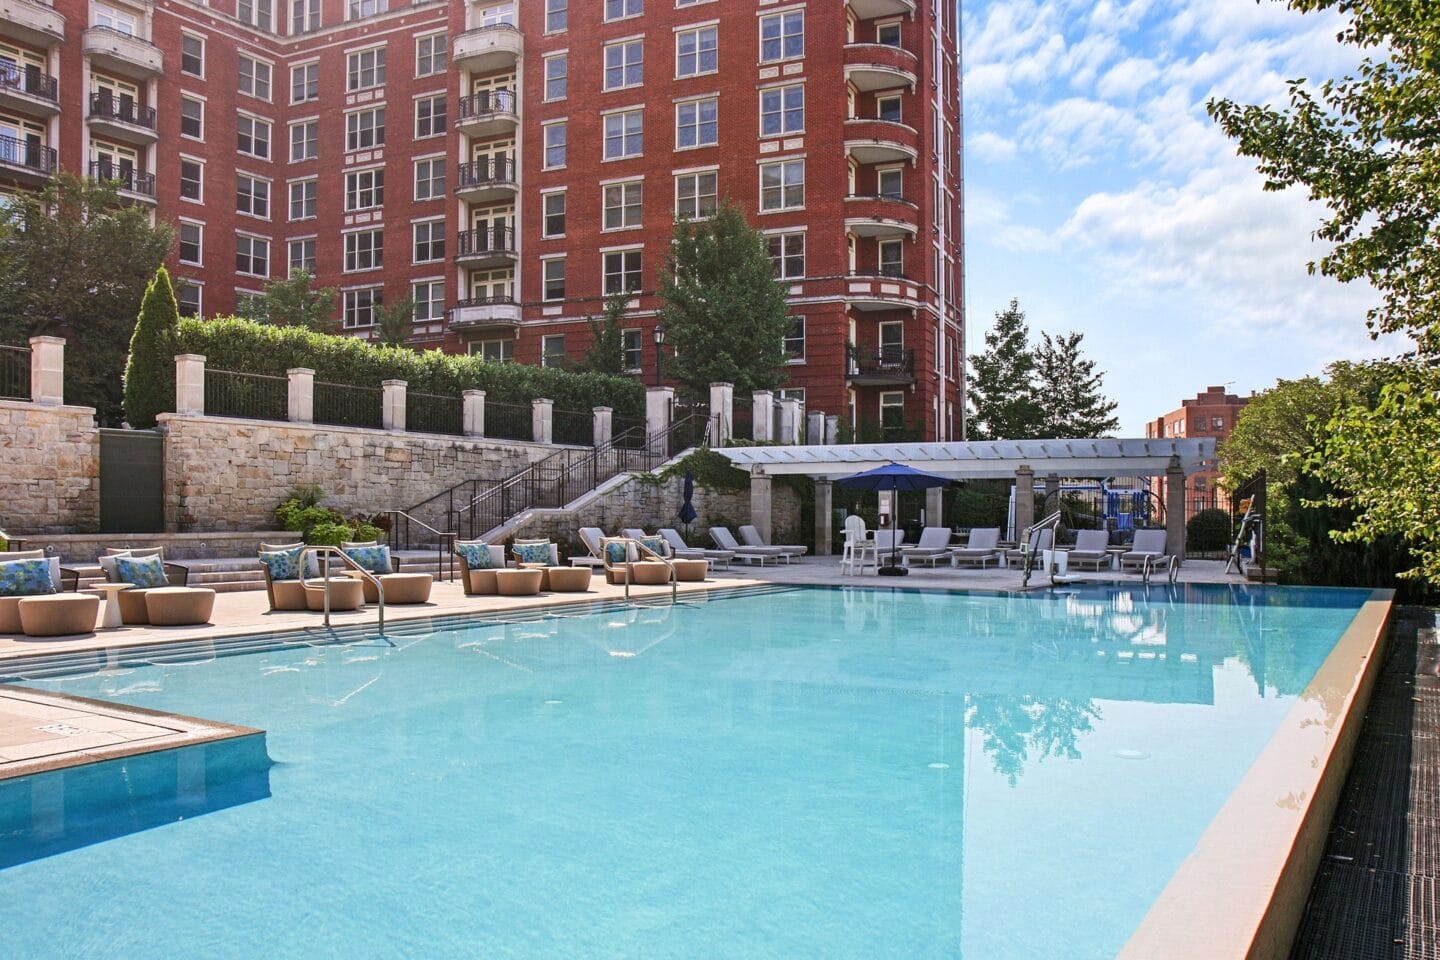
[894, 570]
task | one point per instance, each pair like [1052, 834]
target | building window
[888, 108]
[624, 134]
[552, 350]
[430, 178]
[364, 250]
[305, 83]
[782, 36]
[1217, 423]
[252, 136]
[360, 307]
[191, 176]
[697, 51]
[357, 9]
[429, 297]
[257, 13]
[430, 55]
[620, 9]
[494, 351]
[623, 203]
[430, 117]
[252, 255]
[890, 182]
[697, 123]
[554, 145]
[304, 141]
[187, 298]
[557, 76]
[892, 258]
[301, 256]
[622, 271]
[303, 194]
[114, 18]
[192, 55]
[190, 242]
[364, 189]
[429, 241]
[365, 68]
[787, 252]
[794, 342]
[888, 33]
[892, 413]
[554, 222]
[365, 129]
[624, 64]
[304, 16]
[782, 110]
[782, 185]
[553, 274]
[557, 15]
[254, 78]
[192, 118]
[695, 195]
[252, 196]
[630, 350]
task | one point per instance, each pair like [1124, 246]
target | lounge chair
[681, 551]
[1090, 548]
[983, 546]
[750, 536]
[934, 546]
[655, 542]
[133, 610]
[479, 581]
[592, 538]
[400, 587]
[1042, 542]
[1149, 546]
[725, 540]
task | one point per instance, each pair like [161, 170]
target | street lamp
[659, 350]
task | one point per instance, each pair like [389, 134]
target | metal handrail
[1150, 565]
[1027, 537]
[630, 565]
[440, 542]
[346, 562]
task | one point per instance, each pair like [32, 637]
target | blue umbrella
[687, 512]
[894, 477]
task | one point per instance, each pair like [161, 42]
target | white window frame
[255, 179]
[546, 146]
[373, 251]
[622, 118]
[437, 129]
[562, 57]
[783, 164]
[436, 191]
[439, 51]
[781, 111]
[302, 183]
[781, 17]
[428, 225]
[623, 47]
[356, 69]
[714, 174]
[309, 146]
[290, 265]
[199, 226]
[349, 306]
[545, 279]
[545, 196]
[251, 240]
[631, 212]
[356, 189]
[189, 98]
[354, 130]
[697, 103]
[257, 67]
[624, 254]
[697, 32]
[304, 70]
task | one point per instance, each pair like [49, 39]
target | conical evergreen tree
[1003, 401]
[150, 370]
[1075, 404]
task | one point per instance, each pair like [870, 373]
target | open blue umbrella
[687, 512]
[894, 477]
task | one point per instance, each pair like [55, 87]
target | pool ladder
[1032, 557]
[641, 549]
[346, 562]
[1151, 566]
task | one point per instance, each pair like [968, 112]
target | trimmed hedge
[248, 347]
[1209, 529]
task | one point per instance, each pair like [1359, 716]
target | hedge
[245, 346]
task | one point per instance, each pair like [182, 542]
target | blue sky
[1100, 194]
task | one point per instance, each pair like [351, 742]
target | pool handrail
[640, 548]
[1027, 537]
[345, 561]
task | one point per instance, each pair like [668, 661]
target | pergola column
[1175, 511]
[935, 507]
[760, 507]
[1024, 499]
[824, 517]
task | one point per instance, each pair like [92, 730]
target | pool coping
[1242, 891]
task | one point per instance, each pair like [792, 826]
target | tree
[293, 303]
[1074, 402]
[150, 371]
[1366, 146]
[1002, 385]
[394, 321]
[607, 338]
[75, 262]
[724, 312]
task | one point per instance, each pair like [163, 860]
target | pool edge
[1242, 891]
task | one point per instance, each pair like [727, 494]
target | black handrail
[29, 80]
[126, 178]
[104, 106]
[496, 239]
[27, 153]
[880, 360]
[444, 540]
[485, 171]
[488, 103]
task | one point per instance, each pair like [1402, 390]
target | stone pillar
[1024, 500]
[542, 420]
[190, 384]
[473, 413]
[760, 502]
[762, 406]
[1175, 510]
[935, 507]
[392, 405]
[815, 428]
[824, 517]
[604, 425]
[47, 370]
[790, 423]
[722, 414]
[832, 429]
[302, 395]
[658, 401]
[1052, 490]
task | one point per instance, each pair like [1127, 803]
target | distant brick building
[1210, 414]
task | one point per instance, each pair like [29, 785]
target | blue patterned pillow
[655, 545]
[141, 572]
[617, 551]
[531, 552]
[477, 555]
[25, 578]
[374, 559]
[282, 564]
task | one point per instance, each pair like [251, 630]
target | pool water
[802, 772]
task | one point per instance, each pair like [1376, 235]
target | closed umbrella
[895, 477]
[687, 512]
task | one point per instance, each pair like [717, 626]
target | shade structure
[687, 512]
[897, 478]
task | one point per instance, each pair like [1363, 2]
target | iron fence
[627, 432]
[252, 396]
[575, 427]
[342, 405]
[29, 80]
[14, 373]
[690, 431]
[509, 421]
[434, 413]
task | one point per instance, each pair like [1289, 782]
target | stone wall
[229, 474]
[81, 548]
[49, 468]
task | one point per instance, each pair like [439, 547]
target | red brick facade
[786, 91]
[1210, 414]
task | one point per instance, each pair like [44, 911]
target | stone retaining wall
[49, 468]
[85, 547]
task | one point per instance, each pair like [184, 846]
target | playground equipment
[1101, 506]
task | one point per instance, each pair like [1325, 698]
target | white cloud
[990, 146]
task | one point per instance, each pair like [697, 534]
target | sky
[1101, 196]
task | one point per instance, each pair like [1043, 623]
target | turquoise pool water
[807, 772]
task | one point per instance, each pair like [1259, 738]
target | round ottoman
[518, 583]
[691, 570]
[345, 594]
[133, 611]
[10, 615]
[482, 582]
[650, 573]
[568, 579]
[179, 606]
[400, 588]
[58, 614]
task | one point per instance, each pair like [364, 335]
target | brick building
[510, 162]
[1209, 414]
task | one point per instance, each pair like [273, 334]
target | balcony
[31, 22]
[25, 160]
[122, 119]
[870, 9]
[492, 178]
[880, 367]
[485, 312]
[486, 247]
[123, 54]
[130, 183]
[879, 66]
[882, 290]
[886, 217]
[872, 140]
[26, 90]
[490, 113]
[488, 48]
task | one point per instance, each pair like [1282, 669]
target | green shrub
[150, 371]
[249, 347]
[1208, 530]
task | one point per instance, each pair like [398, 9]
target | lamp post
[659, 351]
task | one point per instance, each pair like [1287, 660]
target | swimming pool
[798, 772]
